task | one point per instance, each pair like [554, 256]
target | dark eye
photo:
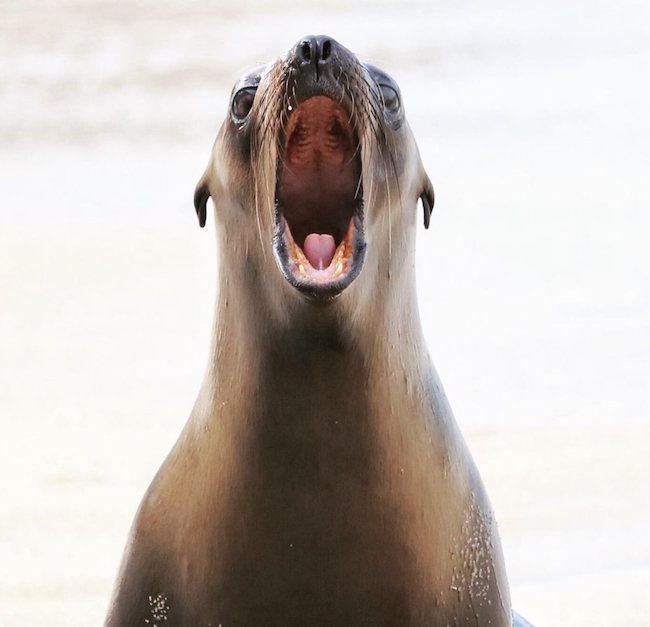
[242, 103]
[390, 98]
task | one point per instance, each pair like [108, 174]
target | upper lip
[319, 192]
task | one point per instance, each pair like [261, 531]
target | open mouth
[319, 242]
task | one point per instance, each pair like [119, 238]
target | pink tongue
[319, 250]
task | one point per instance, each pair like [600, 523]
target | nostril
[326, 50]
[315, 51]
[305, 50]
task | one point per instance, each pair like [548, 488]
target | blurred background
[533, 122]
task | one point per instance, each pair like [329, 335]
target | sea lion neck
[262, 325]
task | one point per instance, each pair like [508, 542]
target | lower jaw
[328, 283]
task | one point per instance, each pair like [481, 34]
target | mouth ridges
[319, 174]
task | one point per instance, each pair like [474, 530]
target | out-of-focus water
[534, 278]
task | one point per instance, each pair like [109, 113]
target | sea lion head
[317, 162]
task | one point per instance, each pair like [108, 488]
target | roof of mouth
[320, 170]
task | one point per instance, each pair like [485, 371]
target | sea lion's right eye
[242, 103]
[390, 98]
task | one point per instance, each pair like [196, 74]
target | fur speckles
[159, 610]
[474, 581]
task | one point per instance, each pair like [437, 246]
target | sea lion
[321, 479]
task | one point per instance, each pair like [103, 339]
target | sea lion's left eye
[390, 98]
[242, 103]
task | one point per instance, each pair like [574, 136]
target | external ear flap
[427, 199]
[201, 195]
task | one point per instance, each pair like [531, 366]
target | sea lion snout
[319, 65]
[315, 50]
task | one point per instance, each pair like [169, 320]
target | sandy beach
[534, 280]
